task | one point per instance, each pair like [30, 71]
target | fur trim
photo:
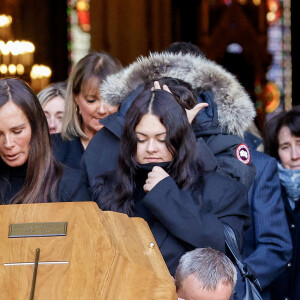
[235, 108]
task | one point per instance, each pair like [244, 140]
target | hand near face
[154, 177]
[191, 113]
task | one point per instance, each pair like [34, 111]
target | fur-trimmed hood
[235, 108]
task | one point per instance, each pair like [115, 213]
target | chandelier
[17, 58]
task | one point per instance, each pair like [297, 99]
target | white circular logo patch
[243, 154]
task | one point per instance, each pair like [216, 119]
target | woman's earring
[78, 110]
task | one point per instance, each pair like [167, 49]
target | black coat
[72, 185]
[184, 220]
[67, 152]
[287, 285]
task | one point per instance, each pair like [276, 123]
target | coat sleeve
[224, 150]
[200, 224]
[101, 155]
[73, 186]
[272, 241]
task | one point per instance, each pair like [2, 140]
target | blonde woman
[84, 108]
[52, 99]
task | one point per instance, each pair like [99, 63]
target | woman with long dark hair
[160, 179]
[28, 171]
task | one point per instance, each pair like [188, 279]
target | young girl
[160, 179]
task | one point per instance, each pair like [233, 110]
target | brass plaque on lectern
[37, 229]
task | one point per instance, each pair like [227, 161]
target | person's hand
[191, 113]
[154, 177]
[156, 86]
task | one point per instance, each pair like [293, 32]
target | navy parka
[214, 146]
[67, 152]
[182, 220]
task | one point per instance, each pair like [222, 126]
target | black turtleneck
[141, 176]
[16, 180]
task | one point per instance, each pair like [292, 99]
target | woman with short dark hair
[282, 141]
[28, 171]
[160, 179]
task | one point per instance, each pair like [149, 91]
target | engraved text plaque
[37, 229]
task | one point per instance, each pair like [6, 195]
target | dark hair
[184, 48]
[182, 91]
[290, 119]
[43, 172]
[184, 168]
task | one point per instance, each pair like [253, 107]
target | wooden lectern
[84, 253]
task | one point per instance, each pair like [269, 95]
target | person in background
[205, 274]
[84, 107]
[28, 171]
[184, 48]
[160, 178]
[268, 246]
[52, 99]
[282, 141]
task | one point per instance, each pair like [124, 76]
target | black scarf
[140, 178]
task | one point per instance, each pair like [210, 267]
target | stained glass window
[79, 37]
[279, 76]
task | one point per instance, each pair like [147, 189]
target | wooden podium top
[104, 255]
